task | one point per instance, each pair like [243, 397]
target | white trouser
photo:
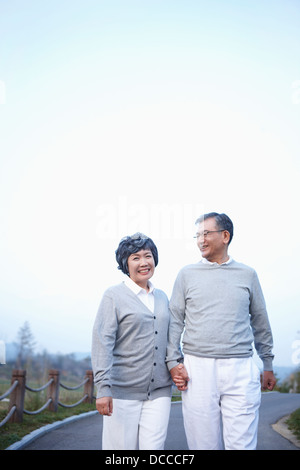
[137, 424]
[221, 404]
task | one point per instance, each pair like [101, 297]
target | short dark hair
[132, 244]
[222, 221]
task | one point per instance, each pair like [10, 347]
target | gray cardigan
[222, 310]
[129, 346]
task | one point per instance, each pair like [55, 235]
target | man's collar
[205, 261]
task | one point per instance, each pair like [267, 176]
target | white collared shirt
[205, 261]
[146, 297]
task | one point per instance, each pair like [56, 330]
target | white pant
[221, 405]
[136, 425]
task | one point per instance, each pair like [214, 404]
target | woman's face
[141, 267]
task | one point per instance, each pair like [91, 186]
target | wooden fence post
[17, 395]
[89, 387]
[53, 390]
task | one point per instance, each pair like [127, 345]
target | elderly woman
[128, 353]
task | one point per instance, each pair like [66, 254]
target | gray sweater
[222, 309]
[129, 346]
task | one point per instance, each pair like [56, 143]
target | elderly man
[219, 305]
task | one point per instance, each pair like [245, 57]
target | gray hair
[222, 220]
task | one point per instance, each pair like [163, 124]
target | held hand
[180, 377]
[268, 380]
[104, 405]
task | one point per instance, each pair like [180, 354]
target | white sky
[124, 116]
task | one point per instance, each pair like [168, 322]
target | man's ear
[226, 237]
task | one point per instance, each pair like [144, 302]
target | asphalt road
[85, 434]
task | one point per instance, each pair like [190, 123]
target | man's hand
[180, 377]
[268, 380]
[104, 405]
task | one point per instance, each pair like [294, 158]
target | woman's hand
[104, 405]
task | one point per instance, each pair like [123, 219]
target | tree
[26, 345]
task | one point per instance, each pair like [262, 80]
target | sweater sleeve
[263, 339]
[103, 342]
[177, 317]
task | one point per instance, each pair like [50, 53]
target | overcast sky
[125, 116]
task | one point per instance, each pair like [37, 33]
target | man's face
[213, 245]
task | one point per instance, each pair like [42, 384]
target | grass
[293, 423]
[13, 432]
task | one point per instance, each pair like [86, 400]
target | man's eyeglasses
[206, 233]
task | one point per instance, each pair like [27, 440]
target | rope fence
[18, 387]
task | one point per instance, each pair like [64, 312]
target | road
[85, 434]
[273, 407]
